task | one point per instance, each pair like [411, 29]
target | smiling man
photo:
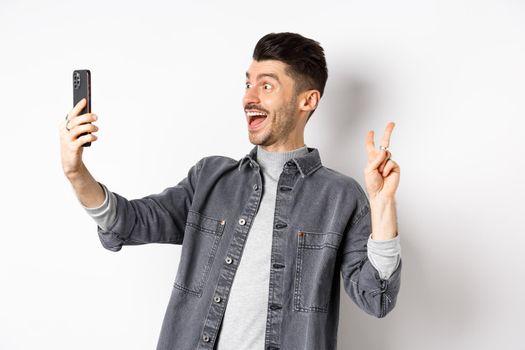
[263, 237]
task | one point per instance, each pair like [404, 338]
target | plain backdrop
[168, 79]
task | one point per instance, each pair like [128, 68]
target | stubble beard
[281, 126]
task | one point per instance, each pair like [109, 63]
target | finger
[385, 141]
[388, 167]
[62, 126]
[374, 164]
[85, 138]
[80, 129]
[382, 165]
[82, 119]
[77, 108]
[370, 146]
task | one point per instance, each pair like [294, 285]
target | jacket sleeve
[362, 282]
[156, 218]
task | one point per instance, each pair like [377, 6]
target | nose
[251, 96]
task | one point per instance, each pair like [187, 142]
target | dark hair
[304, 57]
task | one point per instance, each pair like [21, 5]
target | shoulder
[337, 178]
[218, 160]
[216, 163]
[350, 192]
[340, 182]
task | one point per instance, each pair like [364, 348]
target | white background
[168, 79]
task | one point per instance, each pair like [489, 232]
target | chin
[257, 140]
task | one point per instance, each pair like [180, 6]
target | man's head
[285, 81]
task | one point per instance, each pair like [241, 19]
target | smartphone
[82, 89]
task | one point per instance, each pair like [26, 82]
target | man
[263, 237]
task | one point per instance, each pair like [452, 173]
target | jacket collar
[306, 163]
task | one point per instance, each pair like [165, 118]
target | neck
[273, 162]
[286, 147]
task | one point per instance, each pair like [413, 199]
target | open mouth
[255, 118]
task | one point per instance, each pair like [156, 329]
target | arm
[372, 290]
[383, 245]
[156, 218]
[362, 281]
[104, 215]
[384, 255]
[88, 191]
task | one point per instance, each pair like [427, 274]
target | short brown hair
[304, 57]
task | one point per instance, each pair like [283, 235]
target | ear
[309, 100]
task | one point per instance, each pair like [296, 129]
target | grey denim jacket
[321, 226]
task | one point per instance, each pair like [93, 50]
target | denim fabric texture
[321, 226]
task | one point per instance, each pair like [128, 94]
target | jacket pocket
[315, 267]
[202, 235]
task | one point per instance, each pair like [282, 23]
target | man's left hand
[381, 173]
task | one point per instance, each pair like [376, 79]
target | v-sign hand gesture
[381, 173]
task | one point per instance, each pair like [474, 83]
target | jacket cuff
[384, 255]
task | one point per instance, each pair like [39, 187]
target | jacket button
[228, 260]
[300, 233]
[285, 188]
[275, 307]
[205, 338]
[280, 225]
[222, 222]
[278, 266]
[242, 222]
[255, 187]
[289, 163]
[217, 299]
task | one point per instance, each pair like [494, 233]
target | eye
[248, 85]
[267, 86]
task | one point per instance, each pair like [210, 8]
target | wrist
[77, 174]
[383, 217]
[381, 201]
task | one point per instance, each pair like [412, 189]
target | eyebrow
[271, 75]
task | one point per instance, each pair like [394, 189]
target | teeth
[251, 114]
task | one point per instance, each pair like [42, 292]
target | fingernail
[95, 117]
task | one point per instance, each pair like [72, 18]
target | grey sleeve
[384, 255]
[105, 214]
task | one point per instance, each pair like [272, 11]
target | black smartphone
[82, 89]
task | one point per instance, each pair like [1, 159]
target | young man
[263, 237]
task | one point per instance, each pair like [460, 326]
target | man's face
[270, 91]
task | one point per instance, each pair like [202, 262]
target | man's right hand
[71, 143]
[88, 190]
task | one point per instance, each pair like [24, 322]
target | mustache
[252, 106]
